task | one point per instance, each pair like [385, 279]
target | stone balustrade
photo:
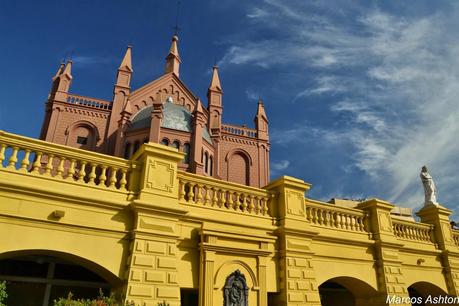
[239, 130]
[410, 230]
[40, 158]
[89, 102]
[209, 192]
[335, 217]
[456, 237]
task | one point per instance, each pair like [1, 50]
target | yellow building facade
[153, 233]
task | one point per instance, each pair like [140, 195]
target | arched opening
[40, 277]
[425, 294]
[211, 165]
[176, 144]
[127, 150]
[186, 150]
[206, 162]
[348, 291]
[165, 142]
[239, 167]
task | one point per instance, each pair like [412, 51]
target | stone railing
[210, 192]
[35, 157]
[89, 102]
[335, 217]
[456, 237]
[410, 230]
[239, 130]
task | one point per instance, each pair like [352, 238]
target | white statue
[430, 192]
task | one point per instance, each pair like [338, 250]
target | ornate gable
[161, 88]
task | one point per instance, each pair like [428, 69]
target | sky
[359, 94]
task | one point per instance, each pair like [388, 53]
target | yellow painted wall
[145, 224]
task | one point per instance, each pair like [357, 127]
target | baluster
[250, 207]
[82, 172]
[221, 198]
[199, 193]
[92, 174]
[237, 202]
[49, 164]
[313, 215]
[25, 161]
[71, 171]
[264, 206]
[320, 215]
[182, 190]
[2, 154]
[37, 163]
[244, 200]
[308, 213]
[13, 159]
[214, 196]
[113, 178]
[207, 196]
[348, 222]
[230, 201]
[123, 180]
[339, 220]
[191, 193]
[353, 223]
[60, 167]
[335, 219]
[103, 176]
[327, 218]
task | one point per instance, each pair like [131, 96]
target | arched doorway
[39, 278]
[425, 293]
[348, 291]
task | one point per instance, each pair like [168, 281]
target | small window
[211, 165]
[127, 150]
[175, 144]
[82, 140]
[186, 150]
[206, 163]
[165, 141]
[145, 140]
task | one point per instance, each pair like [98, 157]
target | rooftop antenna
[176, 27]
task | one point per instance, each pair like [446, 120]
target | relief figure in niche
[236, 291]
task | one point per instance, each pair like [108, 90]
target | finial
[215, 62]
[176, 27]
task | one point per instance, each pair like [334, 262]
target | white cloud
[281, 165]
[400, 90]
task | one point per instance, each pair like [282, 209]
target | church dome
[175, 117]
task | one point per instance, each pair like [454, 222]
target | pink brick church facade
[162, 111]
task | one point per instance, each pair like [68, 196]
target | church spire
[173, 58]
[59, 71]
[68, 69]
[215, 82]
[126, 63]
[261, 121]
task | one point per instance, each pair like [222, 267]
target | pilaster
[388, 265]
[152, 266]
[439, 217]
[297, 276]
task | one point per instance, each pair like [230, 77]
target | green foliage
[101, 300]
[3, 294]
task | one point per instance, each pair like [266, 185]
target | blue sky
[359, 94]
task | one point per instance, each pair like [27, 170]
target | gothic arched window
[165, 141]
[186, 150]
